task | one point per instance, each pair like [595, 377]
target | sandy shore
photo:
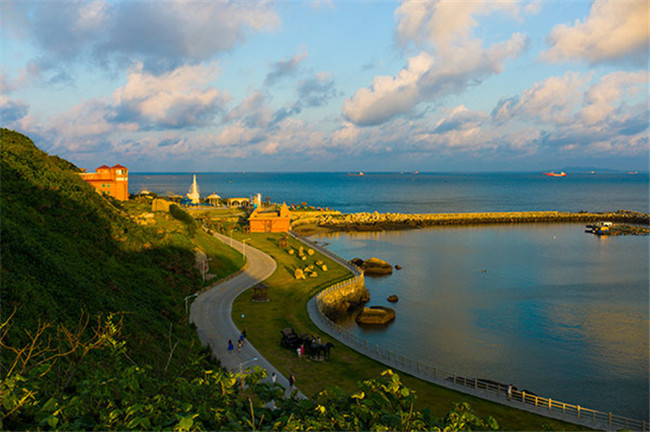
[317, 224]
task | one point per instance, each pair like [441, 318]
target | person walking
[239, 345]
[299, 352]
[273, 378]
[292, 381]
[230, 346]
[509, 392]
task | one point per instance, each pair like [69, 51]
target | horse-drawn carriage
[291, 340]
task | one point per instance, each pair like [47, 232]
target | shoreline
[330, 223]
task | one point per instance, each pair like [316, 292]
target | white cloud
[613, 31]
[388, 96]
[450, 60]
[442, 23]
[554, 100]
[180, 98]
[426, 78]
[162, 36]
[601, 100]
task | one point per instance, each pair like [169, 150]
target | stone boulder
[376, 315]
[375, 266]
[357, 262]
[393, 298]
[160, 205]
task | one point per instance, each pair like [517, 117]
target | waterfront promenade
[211, 312]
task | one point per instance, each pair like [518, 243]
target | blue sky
[330, 85]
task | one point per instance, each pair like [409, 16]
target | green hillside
[66, 249]
[94, 333]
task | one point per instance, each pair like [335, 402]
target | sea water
[422, 193]
[546, 307]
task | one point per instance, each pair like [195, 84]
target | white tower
[193, 194]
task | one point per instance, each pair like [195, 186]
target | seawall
[339, 300]
[394, 221]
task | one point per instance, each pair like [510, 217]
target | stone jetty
[393, 221]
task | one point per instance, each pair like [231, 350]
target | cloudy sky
[330, 85]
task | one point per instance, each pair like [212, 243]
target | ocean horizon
[417, 193]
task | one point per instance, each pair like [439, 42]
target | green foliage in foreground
[116, 394]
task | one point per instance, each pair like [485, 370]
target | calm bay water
[545, 307]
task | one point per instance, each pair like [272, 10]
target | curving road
[211, 312]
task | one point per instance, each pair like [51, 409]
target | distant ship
[360, 173]
[632, 172]
[554, 174]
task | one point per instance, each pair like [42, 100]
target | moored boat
[554, 174]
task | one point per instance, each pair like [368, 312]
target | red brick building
[270, 221]
[113, 181]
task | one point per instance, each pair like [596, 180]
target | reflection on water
[545, 307]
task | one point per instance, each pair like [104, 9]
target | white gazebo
[213, 199]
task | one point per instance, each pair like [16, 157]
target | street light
[241, 369]
[186, 300]
[244, 242]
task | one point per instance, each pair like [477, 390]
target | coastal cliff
[395, 221]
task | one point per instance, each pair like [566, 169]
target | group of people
[240, 342]
[301, 349]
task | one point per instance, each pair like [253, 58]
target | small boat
[554, 174]
[360, 173]
[632, 172]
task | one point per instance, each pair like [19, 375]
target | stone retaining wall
[338, 301]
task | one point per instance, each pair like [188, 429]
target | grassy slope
[67, 250]
[287, 308]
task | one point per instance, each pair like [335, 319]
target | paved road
[211, 312]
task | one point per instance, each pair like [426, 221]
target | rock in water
[375, 266]
[376, 315]
[398, 267]
[393, 298]
[357, 262]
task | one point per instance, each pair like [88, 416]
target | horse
[316, 350]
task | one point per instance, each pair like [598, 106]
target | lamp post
[187, 311]
[244, 242]
[241, 369]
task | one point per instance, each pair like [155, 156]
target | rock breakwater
[395, 221]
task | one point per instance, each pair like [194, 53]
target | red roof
[103, 167]
[118, 166]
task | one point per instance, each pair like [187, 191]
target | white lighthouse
[193, 194]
